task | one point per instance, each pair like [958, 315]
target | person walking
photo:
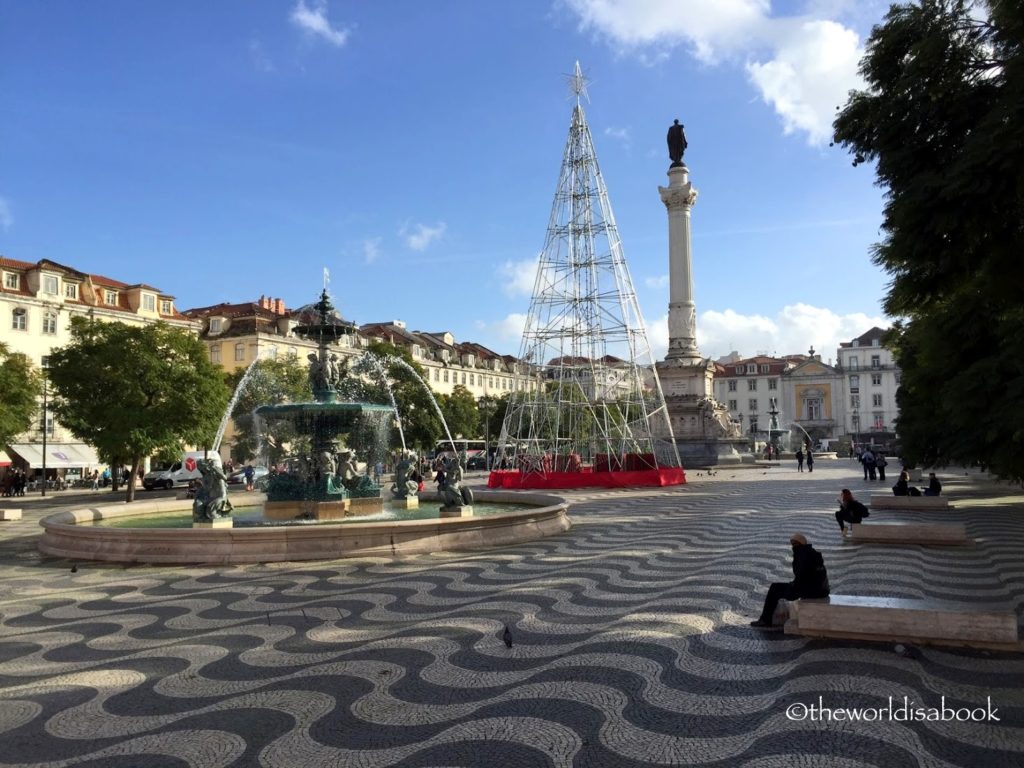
[880, 465]
[868, 460]
[799, 459]
[850, 511]
[810, 459]
[810, 580]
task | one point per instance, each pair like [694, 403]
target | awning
[5, 460]
[58, 455]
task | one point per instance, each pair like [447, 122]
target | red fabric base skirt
[511, 478]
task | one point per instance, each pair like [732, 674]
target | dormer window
[751, 367]
[149, 302]
[70, 291]
[165, 307]
[110, 297]
[11, 281]
[216, 324]
[51, 285]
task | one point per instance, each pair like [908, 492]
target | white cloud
[313, 21]
[419, 236]
[509, 329]
[6, 217]
[793, 330]
[619, 134]
[371, 249]
[518, 277]
[802, 66]
[259, 57]
[661, 281]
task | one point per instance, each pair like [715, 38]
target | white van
[180, 472]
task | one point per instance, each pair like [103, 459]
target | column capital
[678, 197]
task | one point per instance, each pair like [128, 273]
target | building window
[446, 376]
[472, 379]
[752, 385]
[215, 354]
[215, 324]
[11, 281]
[48, 424]
[764, 368]
[239, 352]
[463, 377]
[854, 365]
[876, 361]
[876, 401]
[751, 367]
[773, 383]
[733, 405]
[51, 285]
[854, 384]
[50, 323]
[752, 404]
[879, 420]
[896, 377]
[70, 291]
[19, 319]
[732, 385]
[149, 302]
[813, 406]
[437, 375]
[753, 424]
[855, 401]
[165, 307]
[876, 379]
[110, 297]
[856, 422]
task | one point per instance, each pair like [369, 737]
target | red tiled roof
[15, 264]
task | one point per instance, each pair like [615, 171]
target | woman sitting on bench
[850, 510]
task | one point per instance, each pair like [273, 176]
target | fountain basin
[64, 537]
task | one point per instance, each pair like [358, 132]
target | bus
[461, 445]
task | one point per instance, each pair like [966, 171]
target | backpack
[881, 462]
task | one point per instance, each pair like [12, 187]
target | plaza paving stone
[631, 645]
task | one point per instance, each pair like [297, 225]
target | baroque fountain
[319, 506]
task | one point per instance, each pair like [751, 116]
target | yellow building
[37, 302]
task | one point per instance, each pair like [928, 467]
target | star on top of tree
[577, 83]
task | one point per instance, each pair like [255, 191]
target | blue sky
[229, 149]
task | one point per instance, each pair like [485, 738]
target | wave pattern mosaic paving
[630, 646]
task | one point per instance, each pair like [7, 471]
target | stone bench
[883, 501]
[910, 533]
[921, 622]
[10, 514]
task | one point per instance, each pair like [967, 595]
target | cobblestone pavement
[631, 645]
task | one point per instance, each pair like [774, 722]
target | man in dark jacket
[810, 579]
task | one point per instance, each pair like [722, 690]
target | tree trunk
[129, 495]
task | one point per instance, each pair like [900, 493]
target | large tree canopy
[19, 388]
[133, 391]
[943, 120]
[460, 412]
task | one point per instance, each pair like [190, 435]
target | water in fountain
[249, 373]
[399, 361]
[370, 361]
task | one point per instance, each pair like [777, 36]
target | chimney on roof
[279, 306]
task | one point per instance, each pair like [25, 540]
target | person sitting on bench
[810, 579]
[934, 486]
[850, 510]
[903, 486]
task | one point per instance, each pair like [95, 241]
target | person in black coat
[810, 579]
[902, 487]
[850, 510]
[934, 486]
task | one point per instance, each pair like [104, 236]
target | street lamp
[45, 365]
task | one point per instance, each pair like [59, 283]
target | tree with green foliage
[492, 414]
[132, 391]
[943, 120]
[20, 386]
[460, 412]
[271, 382]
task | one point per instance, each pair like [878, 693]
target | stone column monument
[704, 433]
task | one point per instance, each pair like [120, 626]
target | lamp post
[45, 381]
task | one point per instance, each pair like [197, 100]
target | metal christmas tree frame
[596, 402]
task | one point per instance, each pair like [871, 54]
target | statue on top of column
[676, 144]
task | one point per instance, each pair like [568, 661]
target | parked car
[238, 476]
[477, 462]
[180, 472]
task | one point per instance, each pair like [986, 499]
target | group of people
[904, 488]
[801, 457]
[14, 483]
[874, 464]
